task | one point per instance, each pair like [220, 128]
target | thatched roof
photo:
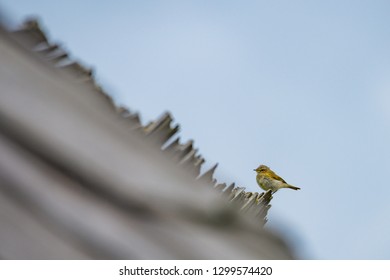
[82, 178]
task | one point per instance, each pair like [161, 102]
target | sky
[301, 86]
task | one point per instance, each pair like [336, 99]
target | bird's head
[261, 168]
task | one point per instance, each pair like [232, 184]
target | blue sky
[302, 86]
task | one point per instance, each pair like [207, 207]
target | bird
[269, 180]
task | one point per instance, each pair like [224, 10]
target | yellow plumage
[269, 180]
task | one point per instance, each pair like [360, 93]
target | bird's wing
[273, 175]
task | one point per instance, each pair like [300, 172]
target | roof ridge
[160, 131]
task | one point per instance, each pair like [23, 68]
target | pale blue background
[303, 86]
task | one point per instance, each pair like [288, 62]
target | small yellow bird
[269, 180]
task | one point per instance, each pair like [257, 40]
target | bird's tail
[292, 187]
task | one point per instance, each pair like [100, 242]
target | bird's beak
[254, 169]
